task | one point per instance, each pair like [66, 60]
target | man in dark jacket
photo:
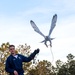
[14, 61]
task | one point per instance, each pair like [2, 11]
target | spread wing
[53, 24]
[36, 28]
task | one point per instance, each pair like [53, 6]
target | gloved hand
[36, 51]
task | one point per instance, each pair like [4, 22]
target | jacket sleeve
[8, 66]
[27, 59]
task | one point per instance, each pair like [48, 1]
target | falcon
[48, 37]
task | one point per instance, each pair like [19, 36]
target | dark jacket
[13, 63]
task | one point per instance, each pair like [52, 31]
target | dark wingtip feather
[31, 21]
[55, 15]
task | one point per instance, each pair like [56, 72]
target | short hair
[11, 46]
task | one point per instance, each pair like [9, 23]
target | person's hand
[15, 73]
[37, 51]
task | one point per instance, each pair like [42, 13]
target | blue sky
[15, 16]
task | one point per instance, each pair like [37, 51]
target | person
[14, 61]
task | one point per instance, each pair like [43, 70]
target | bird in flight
[48, 37]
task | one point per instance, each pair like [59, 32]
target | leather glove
[36, 51]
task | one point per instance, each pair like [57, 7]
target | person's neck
[13, 54]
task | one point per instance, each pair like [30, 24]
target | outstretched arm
[28, 59]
